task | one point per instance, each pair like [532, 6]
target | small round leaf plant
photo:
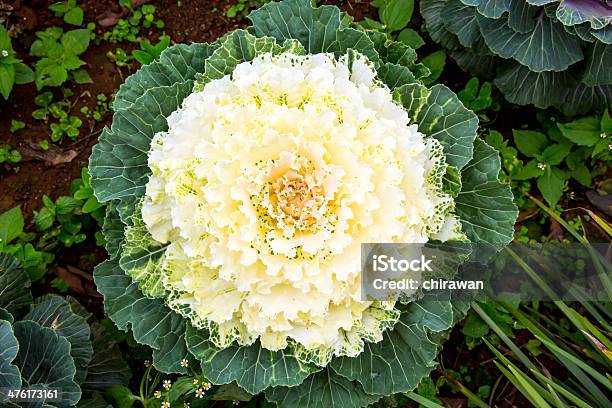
[242, 177]
[540, 52]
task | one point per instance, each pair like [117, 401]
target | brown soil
[39, 172]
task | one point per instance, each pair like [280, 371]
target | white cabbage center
[265, 185]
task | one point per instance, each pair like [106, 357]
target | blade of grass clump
[566, 393]
[474, 399]
[570, 313]
[517, 352]
[597, 258]
[534, 396]
[516, 372]
[423, 401]
[602, 223]
[558, 351]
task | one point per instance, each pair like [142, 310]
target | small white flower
[186, 405]
[235, 402]
[207, 386]
[5, 53]
[541, 166]
[147, 363]
[157, 394]
[610, 146]
[196, 381]
[603, 135]
[165, 404]
[199, 393]
[167, 384]
[184, 363]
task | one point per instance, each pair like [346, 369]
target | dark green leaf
[252, 367]
[584, 131]
[551, 185]
[411, 38]
[7, 79]
[45, 361]
[555, 154]
[11, 225]
[55, 313]
[74, 16]
[10, 377]
[529, 142]
[23, 74]
[76, 41]
[395, 14]
[15, 292]
[484, 205]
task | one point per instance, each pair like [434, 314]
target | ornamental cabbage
[242, 177]
[50, 343]
[541, 52]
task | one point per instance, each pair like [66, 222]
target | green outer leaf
[480, 65]
[522, 86]
[323, 389]
[252, 367]
[317, 29]
[604, 35]
[405, 355]
[179, 63]
[490, 8]
[153, 323]
[432, 11]
[522, 16]
[107, 367]
[10, 376]
[240, 46]
[44, 359]
[570, 16]
[113, 229]
[141, 257]
[15, 292]
[485, 205]
[118, 163]
[95, 401]
[581, 98]
[55, 313]
[5, 315]
[439, 113]
[599, 65]
[555, 51]
[464, 23]
[394, 75]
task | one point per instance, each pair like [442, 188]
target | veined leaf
[323, 389]
[252, 367]
[485, 205]
[55, 313]
[440, 114]
[41, 344]
[10, 377]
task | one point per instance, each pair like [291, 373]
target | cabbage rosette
[242, 177]
[541, 52]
